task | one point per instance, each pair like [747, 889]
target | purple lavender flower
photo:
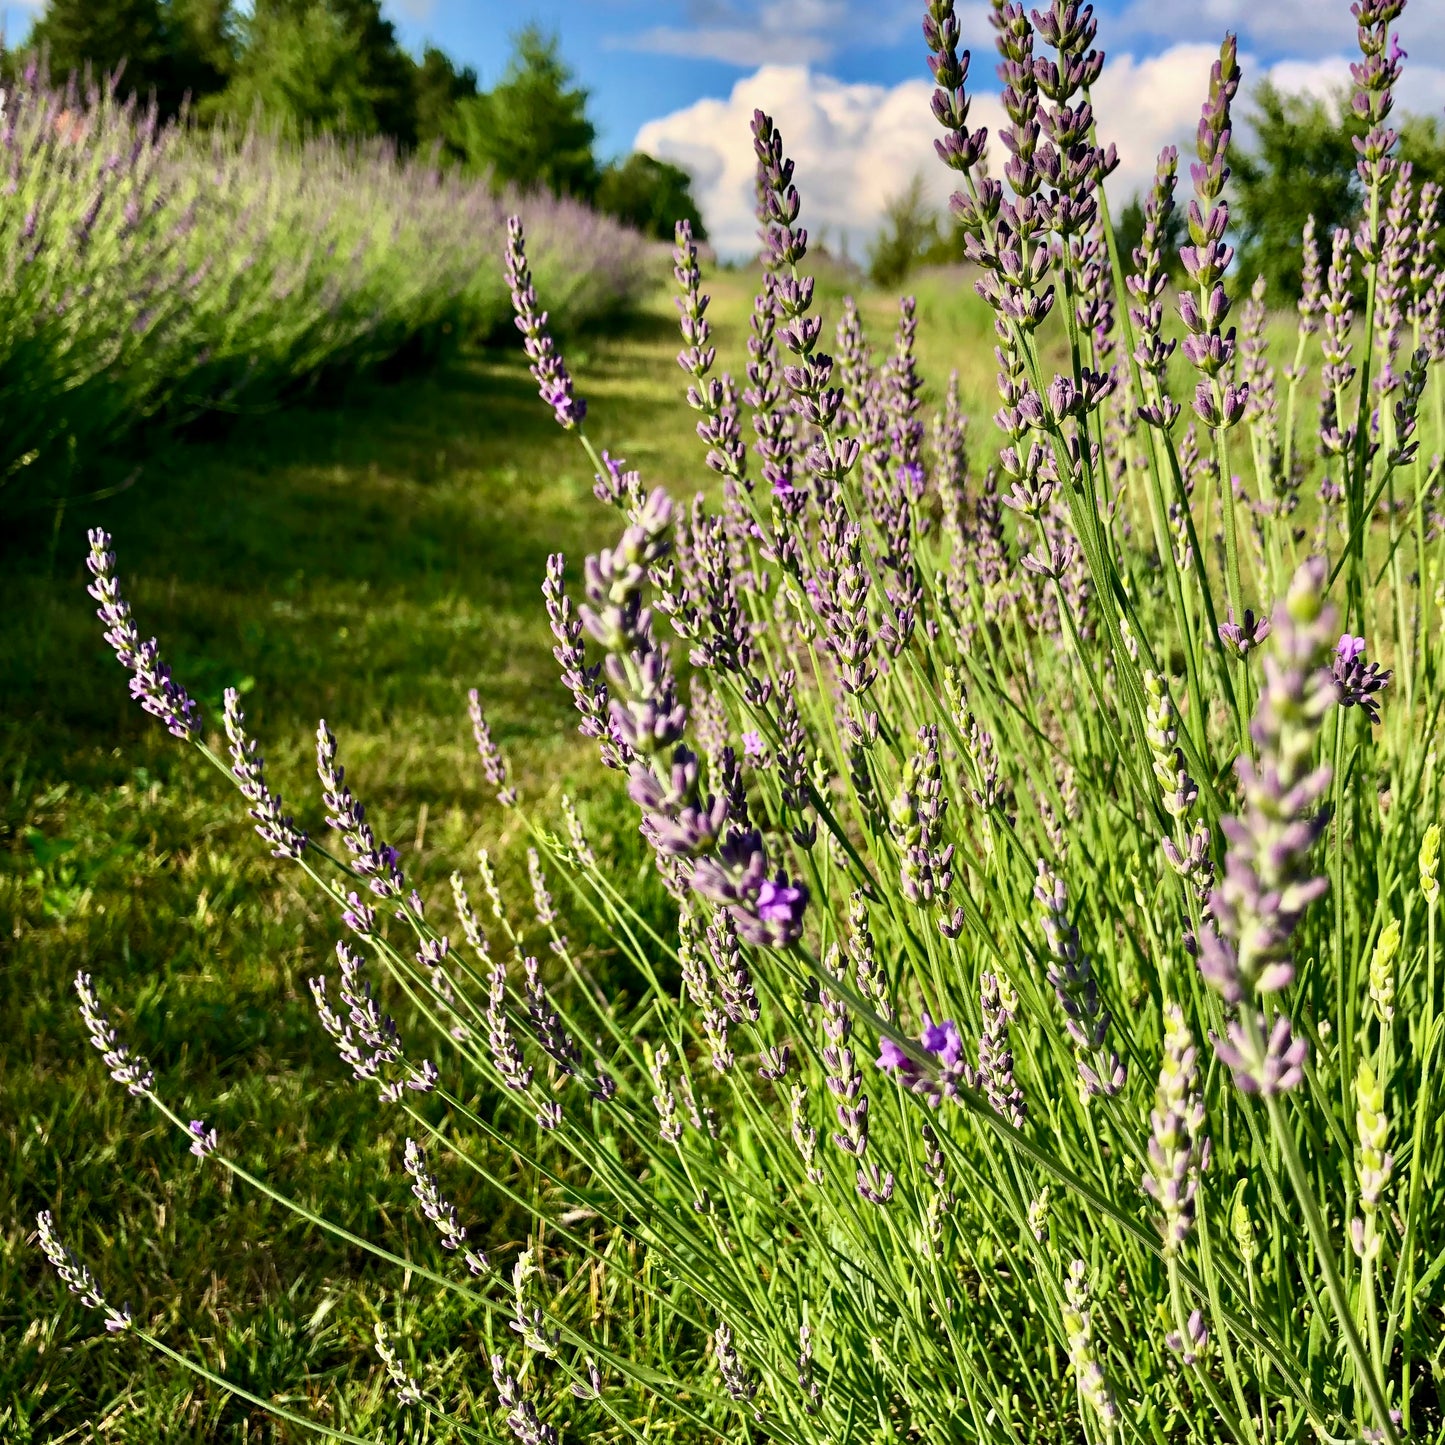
[439, 1209]
[998, 1004]
[367, 1038]
[1267, 883]
[247, 767]
[943, 1040]
[1263, 1063]
[1071, 975]
[203, 1140]
[1206, 259]
[494, 764]
[507, 1059]
[151, 683]
[378, 863]
[554, 382]
[1243, 637]
[1357, 681]
[1178, 1149]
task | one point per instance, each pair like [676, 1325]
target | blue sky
[642, 59]
[847, 82]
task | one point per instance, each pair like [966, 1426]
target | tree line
[337, 66]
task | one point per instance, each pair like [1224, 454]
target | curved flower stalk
[691, 831]
[151, 682]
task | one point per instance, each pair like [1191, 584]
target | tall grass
[1047, 1045]
[160, 272]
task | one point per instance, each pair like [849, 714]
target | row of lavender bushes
[1049, 1045]
[157, 271]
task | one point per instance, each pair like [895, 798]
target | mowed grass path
[367, 563]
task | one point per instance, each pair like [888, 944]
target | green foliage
[325, 66]
[649, 195]
[440, 88]
[910, 232]
[76, 34]
[204, 42]
[174, 50]
[256, 545]
[228, 271]
[531, 130]
[1302, 164]
[1129, 230]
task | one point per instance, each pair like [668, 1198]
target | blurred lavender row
[155, 272]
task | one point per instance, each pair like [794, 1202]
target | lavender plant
[153, 270]
[1047, 1044]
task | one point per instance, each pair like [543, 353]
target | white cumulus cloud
[857, 145]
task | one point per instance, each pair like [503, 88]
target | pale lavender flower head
[203, 1140]
[943, 1040]
[151, 683]
[494, 763]
[1243, 637]
[554, 382]
[75, 1276]
[125, 1067]
[1263, 1063]
[1267, 881]
[248, 768]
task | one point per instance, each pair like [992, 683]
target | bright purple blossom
[1357, 682]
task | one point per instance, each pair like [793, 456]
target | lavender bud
[75, 1276]
[151, 683]
[125, 1067]
[203, 1140]
[403, 1387]
[554, 382]
[247, 767]
[494, 765]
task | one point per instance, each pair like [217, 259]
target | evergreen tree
[202, 41]
[650, 195]
[440, 87]
[532, 128]
[172, 49]
[910, 236]
[125, 35]
[329, 65]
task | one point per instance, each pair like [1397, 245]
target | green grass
[366, 563]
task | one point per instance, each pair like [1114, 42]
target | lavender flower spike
[248, 768]
[440, 1210]
[125, 1067]
[203, 1140]
[1178, 1150]
[494, 763]
[75, 1276]
[151, 683]
[554, 382]
[1267, 882]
